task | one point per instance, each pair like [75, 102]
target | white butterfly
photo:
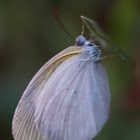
[68, 98]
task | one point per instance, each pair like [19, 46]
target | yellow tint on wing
[47, 70]
[68, 51]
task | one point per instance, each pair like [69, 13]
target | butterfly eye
[80, 40]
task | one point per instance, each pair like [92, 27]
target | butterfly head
[89, 48]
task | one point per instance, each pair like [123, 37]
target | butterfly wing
[23, 126]
[72, 104]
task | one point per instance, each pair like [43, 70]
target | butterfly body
[68, 98]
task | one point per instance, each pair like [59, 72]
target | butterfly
[67, 99]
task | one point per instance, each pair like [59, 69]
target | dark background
[30, 36]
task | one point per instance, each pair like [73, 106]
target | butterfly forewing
[23, 126]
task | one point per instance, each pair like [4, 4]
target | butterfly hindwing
[73, 105]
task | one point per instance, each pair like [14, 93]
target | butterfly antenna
[58, 19]
[83, 28]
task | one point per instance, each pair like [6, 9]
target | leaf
[103, 38]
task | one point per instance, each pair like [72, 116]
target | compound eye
[80, 40]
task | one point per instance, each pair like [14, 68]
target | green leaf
[103, 38]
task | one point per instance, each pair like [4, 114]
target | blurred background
[30, 36]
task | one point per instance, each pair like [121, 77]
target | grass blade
[102, 38]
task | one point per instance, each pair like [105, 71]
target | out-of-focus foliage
[29, 36]
[104, 41]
